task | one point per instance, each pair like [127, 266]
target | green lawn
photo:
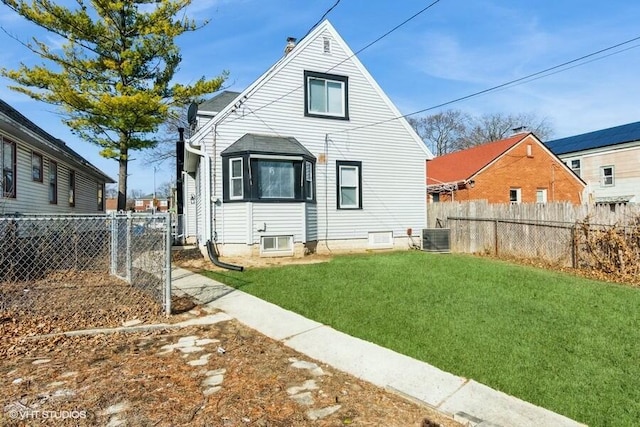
[566, 343]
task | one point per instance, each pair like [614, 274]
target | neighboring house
[312, 156]
[150, 204]
[519, 169]
[41, 174]
[111, 204]
[608, 160]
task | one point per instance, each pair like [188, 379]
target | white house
[41, 174]
[312, 156]
[608, 160]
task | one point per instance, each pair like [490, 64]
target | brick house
[518, 169]
[146, 203]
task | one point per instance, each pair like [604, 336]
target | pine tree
[112, 79]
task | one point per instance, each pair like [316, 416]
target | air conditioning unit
[436, 240]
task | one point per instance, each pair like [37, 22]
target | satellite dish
[192, 112]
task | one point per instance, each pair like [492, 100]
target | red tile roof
[463, 164]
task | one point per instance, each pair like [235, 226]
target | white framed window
[8, 158]
[541, 195]
[515, 196]
[607, 176]
[276, 245]
[100, 194]
[72, 189]
[236, 186]
[164, 203]
[326, 95]
[140, 203]
[349, 184]
[36, 167]
[308, 180]
[53, 182]
[575, 166]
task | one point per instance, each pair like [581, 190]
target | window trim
[231, 178]
[603, 176]
[309, 178]
[40, 169]
[348, 164]
[53, 200]
[100, 196]
[343, 80]
[575, 169]
[518, 191]
[14, 153]
[544, 194]
[72, 188]
[277, 251]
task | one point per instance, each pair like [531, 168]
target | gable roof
[461, 165]
[218, 102]
[283, 61]
[267, 144]
[55, 145]
[596, 139]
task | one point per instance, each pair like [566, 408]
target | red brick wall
[516, 169]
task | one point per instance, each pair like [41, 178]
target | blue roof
[599, 138]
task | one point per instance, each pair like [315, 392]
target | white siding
[234, 223]
[199, 181]
[393, 163]
[189, 209]
[277, 219]
[311, 218]
[33, 196]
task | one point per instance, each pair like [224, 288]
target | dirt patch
[220, 375]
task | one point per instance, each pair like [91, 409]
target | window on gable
[349, 184]
[326, 95]
[541, 195]
[36, 167]
[8, 169]
[53, 182]
[515, 196]
[607, 176]
[72, 188]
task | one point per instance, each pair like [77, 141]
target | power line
[321, 19]
[525, 79]
[415, 15]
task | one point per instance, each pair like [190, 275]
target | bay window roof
[266, 144]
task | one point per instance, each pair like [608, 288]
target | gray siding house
[608, 160]
[311, 157]
[41, 174]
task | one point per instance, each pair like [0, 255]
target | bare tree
[442, 132]
[497, 126]
[111, 191]
[164, 190]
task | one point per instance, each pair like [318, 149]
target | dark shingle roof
[15, 116]
[600, 138]
[218, 102]
[266, 144]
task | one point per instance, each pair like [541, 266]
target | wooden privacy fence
[588, 237]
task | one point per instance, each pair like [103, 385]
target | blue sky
[456, 48]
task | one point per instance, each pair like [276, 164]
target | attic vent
[436, 240]
[326, 46]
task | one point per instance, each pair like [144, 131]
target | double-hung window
[8, 168]
[326, 95]
[606, 176]
[575, 166]
[541, 195]
[100, 195]
[236, 183]
[515, 196]
[308, 180]
[349, 184]
[72, 188]
[36, 167]
[53, 182]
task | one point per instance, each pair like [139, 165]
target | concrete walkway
[466, 400]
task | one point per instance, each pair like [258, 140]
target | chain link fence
[105, 269]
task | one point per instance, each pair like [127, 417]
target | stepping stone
[41, 361]
[133, 322]
[203, 360]
[211, 390]
[206, 341]
[307, 385]
[220, 371]
[303, 398]
[212, 381]
[318, 414]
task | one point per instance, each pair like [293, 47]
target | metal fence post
[495, 236]
[129, 249]
[167, 267]
[574, 248]
[114, 243]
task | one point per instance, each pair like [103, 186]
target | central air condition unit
[436, 240]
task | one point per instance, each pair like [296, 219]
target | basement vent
[436, 240]
[381, 240]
